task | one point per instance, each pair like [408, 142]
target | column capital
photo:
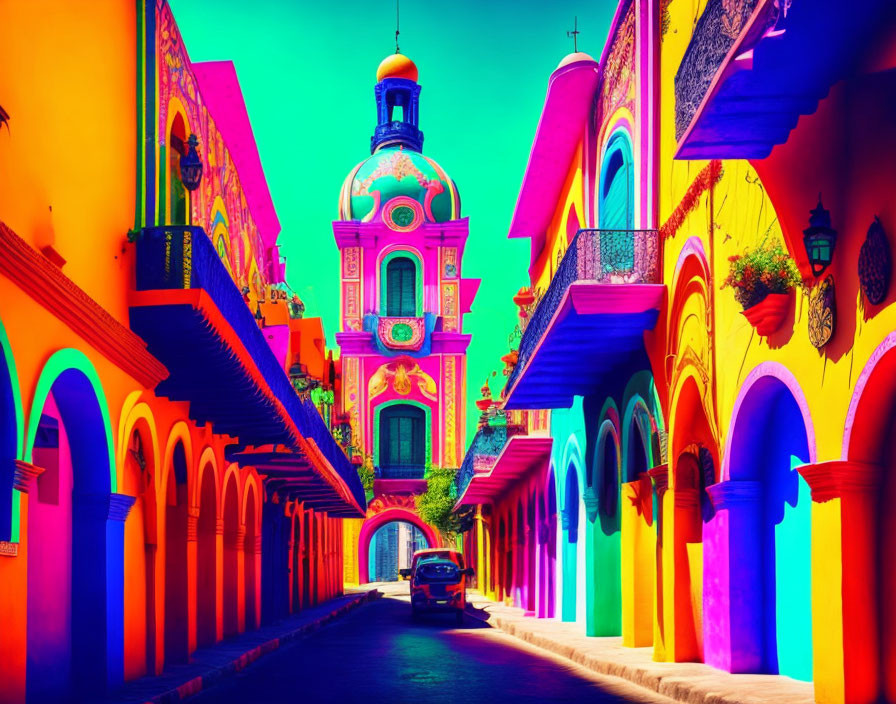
[732, 493]
[120, 506]
[660, 477]
[686, 498]
[113, 507]
[592, 503]
[24, 473]
[192, 525]
[835, 479]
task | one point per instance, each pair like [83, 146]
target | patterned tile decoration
[351, 263]
[449, 262]
[401, 333]
[619, 73]
[449, 307]
[220, 183]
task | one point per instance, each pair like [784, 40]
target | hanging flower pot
[767, 315]
[762, 280]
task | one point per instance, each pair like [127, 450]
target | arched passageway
[206, 559]
[177, 602]
[391, 548]
[769, 439]
[233, 548]
[375, 522]
[140, 555]
[548, 544]
[604, 617]
[570, 524]
[868, 528]
[693, 452]
[252, 556]
[76, 543]
[638, 552]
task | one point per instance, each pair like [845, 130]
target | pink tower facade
[401, 238]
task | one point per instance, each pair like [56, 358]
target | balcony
[589, 324]
[752, 69]
[497, 459]
[484, 450]
[195, 321]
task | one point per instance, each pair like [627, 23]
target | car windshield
[438, 571]
[455, 557]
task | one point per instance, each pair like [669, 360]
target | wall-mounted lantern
[819, 238]
[191, 165]
[191, 171]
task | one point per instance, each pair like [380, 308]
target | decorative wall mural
[875, 264]
[401, 333]
[822, 313]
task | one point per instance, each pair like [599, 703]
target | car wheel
[459, 617]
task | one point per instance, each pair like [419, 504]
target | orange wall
[69, 85]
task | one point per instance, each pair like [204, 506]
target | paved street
[378, 654]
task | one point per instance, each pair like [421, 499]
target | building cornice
[45, 283]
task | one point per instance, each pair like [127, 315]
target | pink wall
[50, 574]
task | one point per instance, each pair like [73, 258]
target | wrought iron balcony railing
[400, 472]
[484, 450]
[715, 33]
[598, 256]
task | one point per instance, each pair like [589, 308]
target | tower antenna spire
[574, 34]
[397, 26]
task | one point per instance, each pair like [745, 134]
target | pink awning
[520, 455]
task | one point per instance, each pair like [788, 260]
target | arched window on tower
[402, 441]
[401, 287]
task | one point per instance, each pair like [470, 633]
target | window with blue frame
[401, 287]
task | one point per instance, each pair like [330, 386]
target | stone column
[192, 575]
[114, 508]
[732, 598]
[659, 476]
[845, 613]
[239, 544]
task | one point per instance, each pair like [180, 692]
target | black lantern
[191, 165]
[819, 238]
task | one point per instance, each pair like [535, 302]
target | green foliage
[436, 505]
[367, 474]
[761, 271]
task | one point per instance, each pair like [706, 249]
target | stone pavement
[692, 683]
[209, 665]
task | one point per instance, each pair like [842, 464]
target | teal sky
[307, 71]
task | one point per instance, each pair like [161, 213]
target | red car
[438, 582]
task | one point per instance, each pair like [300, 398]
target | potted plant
[762, 280]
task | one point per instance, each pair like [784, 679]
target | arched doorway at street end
[379, 520]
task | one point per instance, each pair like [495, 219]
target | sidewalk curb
[217, 674]
[689, 683]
